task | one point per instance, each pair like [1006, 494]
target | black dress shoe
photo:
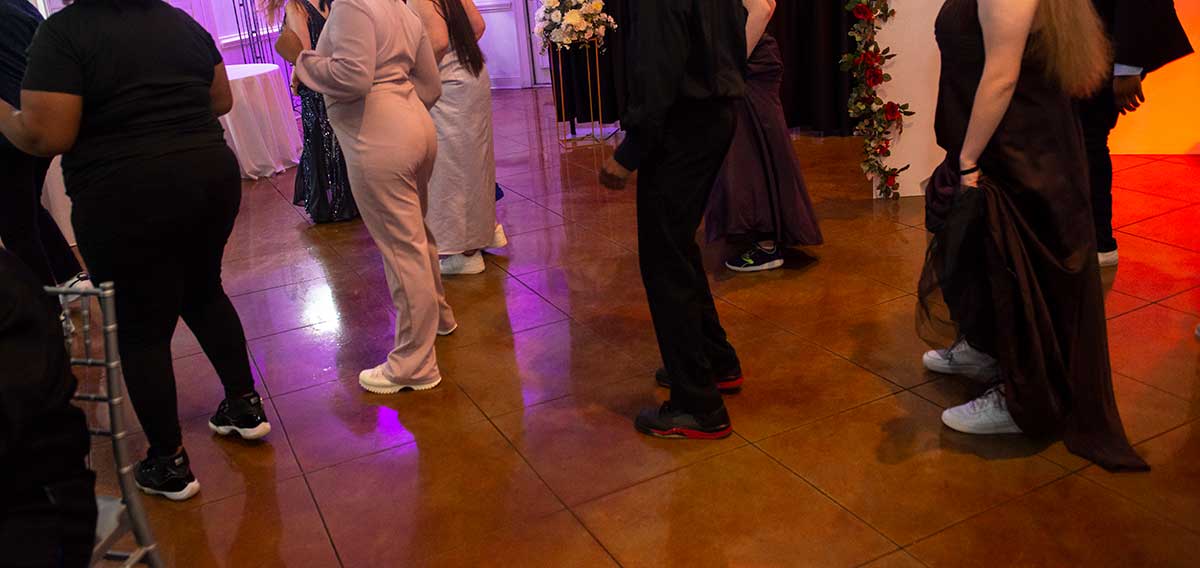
[727, 383]
[670, 422]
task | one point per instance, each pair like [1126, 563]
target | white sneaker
[448, 332]
[463, 264]
[962, 359]
[81, 282]
[985, 415]
[499, 239]
[374, 381]
[1109, 259]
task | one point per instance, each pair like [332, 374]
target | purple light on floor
[388, 427]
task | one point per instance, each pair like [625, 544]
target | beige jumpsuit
[377, 70]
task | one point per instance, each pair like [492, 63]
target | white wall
[914, 81]
[506, 42]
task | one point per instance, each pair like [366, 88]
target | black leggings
[26, 228]
[157, 230]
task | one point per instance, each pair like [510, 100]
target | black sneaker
[169, 476]
[727, 383]
[243, 415]
[670, 422]
[756, 260]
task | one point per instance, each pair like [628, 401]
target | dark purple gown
[760, 193]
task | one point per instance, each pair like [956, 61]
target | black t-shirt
[144, 70]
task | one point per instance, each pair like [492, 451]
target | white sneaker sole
[939, 365]
[952, 423]
[257, 433]
[448, 331]
[760, 268]
[393, 389]
[188, 492]
[467, 270]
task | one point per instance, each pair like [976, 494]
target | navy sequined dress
[322, 185]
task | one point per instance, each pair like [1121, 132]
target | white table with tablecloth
[262, 127]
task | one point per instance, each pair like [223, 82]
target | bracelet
[968, 171]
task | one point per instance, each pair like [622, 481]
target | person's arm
[348, 72]
[47, 124]
[51, 96]
[1006, 26]
[425, 76]
[295, 18]
[661, 47]
[435, 26]
[758, 15]
[220, 92]
[478, 25]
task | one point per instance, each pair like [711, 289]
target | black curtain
[813, 35]
[574, 101]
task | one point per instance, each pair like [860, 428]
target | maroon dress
[760, 193]
[1016, 259]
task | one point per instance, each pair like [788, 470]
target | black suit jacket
[1145, 33]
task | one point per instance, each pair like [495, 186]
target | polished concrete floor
[525, 456]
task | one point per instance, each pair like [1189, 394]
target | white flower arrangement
[565, 23]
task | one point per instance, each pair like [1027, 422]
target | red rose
[891, 111]
[864, 12]
[872, 59]
[891, 181]
[874, 77]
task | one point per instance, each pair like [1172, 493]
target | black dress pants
[158, 230]
[26, 228]
[53, 526]
[674, 184]
[1098, 116]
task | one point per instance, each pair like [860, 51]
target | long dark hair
[462, 36]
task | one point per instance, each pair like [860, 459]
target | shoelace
[993, 397]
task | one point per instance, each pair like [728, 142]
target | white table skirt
[54, 198]
[262, 127]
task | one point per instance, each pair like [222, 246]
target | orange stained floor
[526, 456]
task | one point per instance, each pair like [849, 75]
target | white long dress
[462, 191]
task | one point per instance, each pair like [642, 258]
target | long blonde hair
[1071, 43]
[274, 10]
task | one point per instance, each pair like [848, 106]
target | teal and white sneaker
[756, 259]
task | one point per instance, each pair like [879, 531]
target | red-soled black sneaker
[670, 422]
[727, 383]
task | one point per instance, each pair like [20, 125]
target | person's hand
[1127, 89]
[613, 175]
[288, 45]
[971, 180]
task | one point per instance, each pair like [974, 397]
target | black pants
[26, 228]
[51, 526]
[158, 232]
[673, 190]
[1099, 116]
